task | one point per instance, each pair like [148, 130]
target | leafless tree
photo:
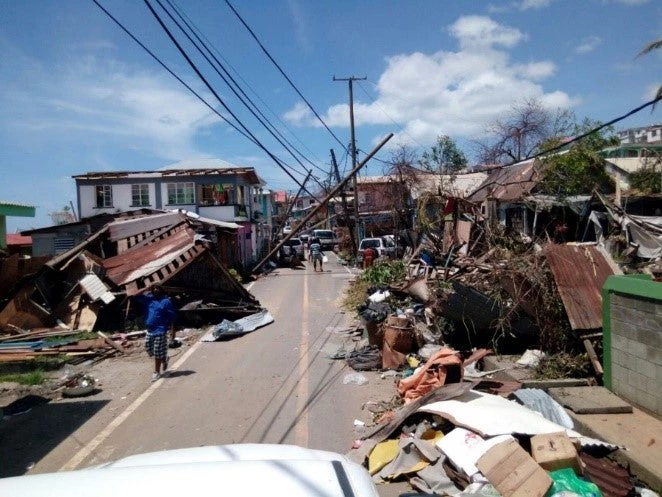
[520, 133]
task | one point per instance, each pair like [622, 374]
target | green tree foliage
[580, 169]
[647, 180]
[444, 157]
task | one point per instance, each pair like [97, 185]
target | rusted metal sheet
[153, 263]
[580, 272]
[612, 480]
[507, 183]
[147, 224]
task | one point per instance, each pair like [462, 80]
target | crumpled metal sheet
[240, 326]
[539, 401]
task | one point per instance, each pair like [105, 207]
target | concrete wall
[633, 340]
[121, 194]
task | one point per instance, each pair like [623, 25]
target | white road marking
[84, 452]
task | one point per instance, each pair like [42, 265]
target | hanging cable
[222, 102]
[266, 52]
[225, 80]
[208, 42]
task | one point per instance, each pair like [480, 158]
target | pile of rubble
[44, 307]
[461, 439]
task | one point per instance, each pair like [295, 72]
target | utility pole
[348, 221]
[324, 201]
[351, 80]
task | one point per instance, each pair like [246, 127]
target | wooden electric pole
[348, 219]
[324, 201]
[351, 80]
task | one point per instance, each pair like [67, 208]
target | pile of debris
[90, 286]
[70, 346]
[460, 439]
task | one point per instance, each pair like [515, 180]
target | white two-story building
[231, 194]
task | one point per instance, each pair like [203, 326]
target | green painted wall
[632, 339]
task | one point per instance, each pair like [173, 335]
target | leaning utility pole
[348, 222]
[324, 201]
[351, 80]
[291, 204]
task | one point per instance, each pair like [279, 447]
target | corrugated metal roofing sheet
[507, 183]
[538, 400]
[143, 261]
[612, 480]
[131, 227]
[96, 288]
[580, 271]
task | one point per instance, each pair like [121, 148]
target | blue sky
[78, 95]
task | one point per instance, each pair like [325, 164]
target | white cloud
[588, 44]
[299, 115]
[481, 31]
[454, 93]
[633, 2]
[534, 4]
[106, 101]
[300, 25]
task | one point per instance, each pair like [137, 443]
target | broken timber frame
[330, 195]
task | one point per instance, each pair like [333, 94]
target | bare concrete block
[654, 355]
[590, 400]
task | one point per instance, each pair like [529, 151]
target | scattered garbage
[354, 379]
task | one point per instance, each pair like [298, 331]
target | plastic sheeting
[227, 329]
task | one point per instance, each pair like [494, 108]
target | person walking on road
[160, 318]
[316, 254]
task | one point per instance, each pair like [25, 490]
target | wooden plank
[593, 356]
[110, 342]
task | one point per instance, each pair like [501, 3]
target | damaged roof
[154, 262]
[508, 183]
[248, 172]
[580, 271]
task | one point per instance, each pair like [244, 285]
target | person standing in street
[160, 316]
[316, 254]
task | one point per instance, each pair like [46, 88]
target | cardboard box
[513, 472]
[555, 451]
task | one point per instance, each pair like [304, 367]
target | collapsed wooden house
[89, 286]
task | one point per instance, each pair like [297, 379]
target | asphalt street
[274, 385]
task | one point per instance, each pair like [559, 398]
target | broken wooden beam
[111, 342]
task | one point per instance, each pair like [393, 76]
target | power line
[270, 128]
[172, 73]
[188, 87]
[266, 52]
[222, 102]
[244, 81]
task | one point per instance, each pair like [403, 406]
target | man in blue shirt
[159, 318]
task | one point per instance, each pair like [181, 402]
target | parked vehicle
[326, 237]
[240, 469]
[381, 245]
[293, 245]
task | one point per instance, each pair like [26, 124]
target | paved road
[274, 385]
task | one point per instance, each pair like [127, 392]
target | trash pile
[89, 286]
[460, 439]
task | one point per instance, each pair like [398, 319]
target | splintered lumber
[110, 342]
[593, 356]
[40, 334]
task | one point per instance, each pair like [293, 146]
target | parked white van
[326, 237]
